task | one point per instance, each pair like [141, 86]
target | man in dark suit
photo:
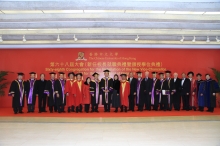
[175, 92]
[147, 82]
[167, 74]
[42, 97]
[185, 90]
[133, 89]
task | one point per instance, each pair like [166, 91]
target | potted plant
[3, 82]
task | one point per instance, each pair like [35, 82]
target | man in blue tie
[185, 90]
[175, 90]
[41, 85]
[133, 91]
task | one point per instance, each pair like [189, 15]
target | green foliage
[217, 74]
[3, 83]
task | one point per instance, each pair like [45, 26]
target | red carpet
[8, 112]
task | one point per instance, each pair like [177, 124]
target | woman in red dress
[86, 94]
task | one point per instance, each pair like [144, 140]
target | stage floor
[110, 131]
[154, 128]
[8, 112]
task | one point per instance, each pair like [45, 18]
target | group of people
[163, 93]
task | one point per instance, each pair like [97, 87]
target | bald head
[175, 75]
[147, 74]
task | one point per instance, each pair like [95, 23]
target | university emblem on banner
[81, 56]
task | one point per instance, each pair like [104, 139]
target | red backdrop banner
[117, 61]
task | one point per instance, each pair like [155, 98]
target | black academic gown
[27, 90]
[15, 89]
[164, 98]
[210, 88]
[116, 90]
[95, 86]
[157, 90]
[41, 85]
[61, 100]
[140, 93]
[185, 88]
[147, 89]
[176, 96]
[50, 89]
[106, 100]
[133, 89]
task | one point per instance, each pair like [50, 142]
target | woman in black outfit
[115, 95]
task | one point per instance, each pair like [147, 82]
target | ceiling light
[1, 40]
[207, 39]
[217, 40]
[58, 38]
[63, 11]
[21, 11]
[74, 37]
[194, 39]
[212, 13]
[183, 12]
[103, 11]
[24, 39]
[182, 39]
[144, 11]
[136, 39]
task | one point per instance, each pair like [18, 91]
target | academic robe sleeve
[12, 88]
[157, 86]
[36, 90]
[36, 87]
[74, 88]
[56, 86]
[194, 86]
[165, 85]
[150, 85]
[100, 90]
[26, 87]
[47, 88]
[201, 89]
[143, 85]
[128, 88]
[92, 87]
[102, 84]
[110, 85]
[67, 87]
[172, 85]
[84, 90]
[188, 87]
[135, 85]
